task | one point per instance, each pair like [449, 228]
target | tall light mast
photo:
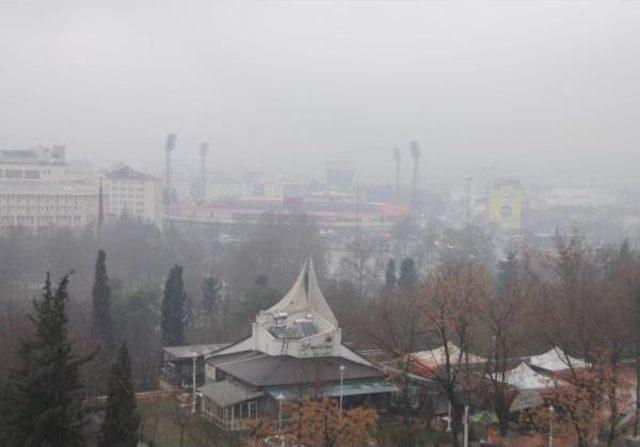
[415, 155]
[169, 148]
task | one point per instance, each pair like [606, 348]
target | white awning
[437, 357]
[556, 360]
[525, 378]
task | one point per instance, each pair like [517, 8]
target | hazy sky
[537, 87]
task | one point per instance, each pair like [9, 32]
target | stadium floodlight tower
[396, 157]
[169, 148]
[415, 155]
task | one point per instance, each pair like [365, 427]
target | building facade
[135, 194]
[39, 190]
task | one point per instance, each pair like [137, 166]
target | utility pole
[204, 150]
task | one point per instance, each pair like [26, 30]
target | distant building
[136, 194]
[341, 174]
[45, 204]
[39, 190]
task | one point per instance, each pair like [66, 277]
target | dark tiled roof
[227, 393]
[259, 369]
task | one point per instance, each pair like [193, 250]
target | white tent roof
[437, 357]
[556, 360]
[305, 296]
[525, 378]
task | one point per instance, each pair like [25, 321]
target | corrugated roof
[226, 393]
[190, 351]
[353, 388]
[263, 370]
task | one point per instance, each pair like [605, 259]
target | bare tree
[449, 302]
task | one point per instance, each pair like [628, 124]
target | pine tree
[211, 289]
[50, 410]
[101, 295]
[408, 275]
[121, 421]
[173, 309]
[390, 278]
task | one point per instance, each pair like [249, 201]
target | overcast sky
[538, 88]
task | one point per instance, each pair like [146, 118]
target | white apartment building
[135, 194]
[38, 190]
[41, 205]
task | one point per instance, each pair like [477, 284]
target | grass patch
[165, 423]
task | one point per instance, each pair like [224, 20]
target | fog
[542, 89]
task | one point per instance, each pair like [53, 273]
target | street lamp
[280, 398]
[342, 369]
[551, 410]
[193, 404]
[466, 426]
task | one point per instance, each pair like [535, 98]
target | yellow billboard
[505, 207]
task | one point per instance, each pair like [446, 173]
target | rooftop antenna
[396, 157]
[204, 150]
[415, 154]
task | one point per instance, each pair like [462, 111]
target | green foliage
[8, 401]
[49, 410]
[173, 317]
[390, 278]
[260, 297]
[121, 420]
[101, 294]
[211, 290]
[408, 274]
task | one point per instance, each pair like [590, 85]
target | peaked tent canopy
[437, 357]
[525, 378]
[556, 360]
[304, 296]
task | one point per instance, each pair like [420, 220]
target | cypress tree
[121, 421]
[408, 275]
[101, 294]
[508, 271]
[390, 278]
[211, 289]
[173, 309]
[50, 410]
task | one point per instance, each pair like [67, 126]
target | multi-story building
[134, 193]
[44, 204]
[39, 190]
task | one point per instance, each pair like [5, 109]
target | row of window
[37, 198]
[35, 209]
[19, 173]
